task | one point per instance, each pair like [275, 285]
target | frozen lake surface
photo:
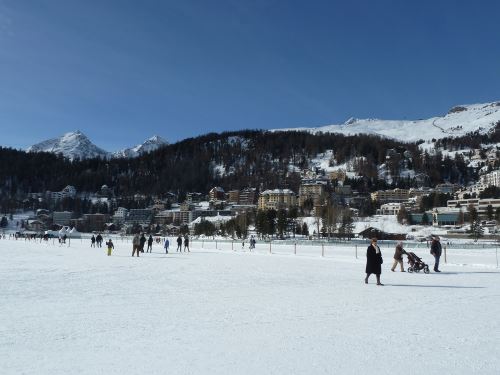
[74, 310]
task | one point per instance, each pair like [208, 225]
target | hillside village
[323, 207]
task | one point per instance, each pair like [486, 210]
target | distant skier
[186, 243]
[167, 244]
[92, 241]
[150, 244]
[110, 246]
[179, 244]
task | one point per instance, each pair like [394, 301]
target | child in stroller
[416, 264]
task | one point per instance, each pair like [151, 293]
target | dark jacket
[398, 254]
[436, 248]
[142, 241]
[150, 240]
[373, 261]
[179, 241]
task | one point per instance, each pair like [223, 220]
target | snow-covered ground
[68, 310]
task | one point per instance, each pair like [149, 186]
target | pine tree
[305, 229]
[347, 224]
[281, 222]
[472, 213]
[476, 230]
[402, 215]
[489, 212]
[425, 219]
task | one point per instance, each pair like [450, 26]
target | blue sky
[124, 70]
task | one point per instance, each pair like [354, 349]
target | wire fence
[478, 254]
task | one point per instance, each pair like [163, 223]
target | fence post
[356, 246]
[202, 243]
[496, 254]
[295, 248]
[232, 245]
[270, 252]
[445, 258]
[322, 250]
[216, 248]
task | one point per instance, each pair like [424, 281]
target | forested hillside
[233, 160]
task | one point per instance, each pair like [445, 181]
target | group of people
[374, 258]
[96, 240]
[186, 244]
[138, 243]
[252, 243]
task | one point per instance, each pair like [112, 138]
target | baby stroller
[416, 264]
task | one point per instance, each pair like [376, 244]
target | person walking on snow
[179, 244]
[136, 245]
[167, 243]
[373, 261]
[186, 243]
[150, 244]
[110, 246]
[98, 239]
[142, 242]
[398, 257]
[436, 250]
[92, 241]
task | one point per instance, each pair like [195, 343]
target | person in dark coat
[167, 244]
[186, 243]
[142, 242]
[398, 257]
[92, 241]
[98, 239]
[373, 261]
[150, 244]
[136, 245]
[179, 244]
[436, 250]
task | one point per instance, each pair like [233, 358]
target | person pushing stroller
[398, 257]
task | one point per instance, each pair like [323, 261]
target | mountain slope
[459, 121]
[149, 145]
[76, 145]
[72, 145]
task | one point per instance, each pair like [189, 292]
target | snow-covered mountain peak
[72, 145]
[149, 145]
[350, 121]
[75, 145]
[459, 120]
